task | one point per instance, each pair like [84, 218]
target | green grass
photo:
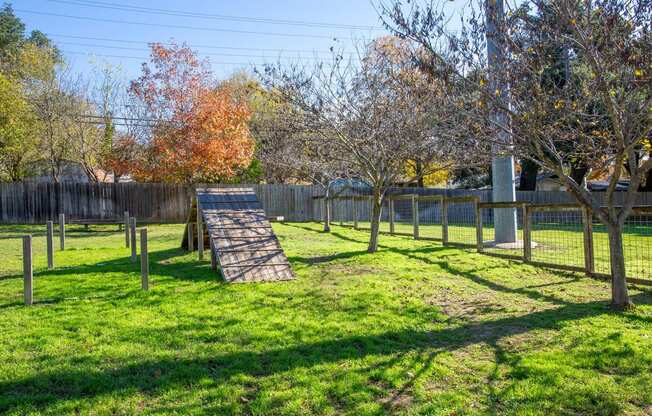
[416, 328]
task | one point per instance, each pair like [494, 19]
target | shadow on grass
[164, 374]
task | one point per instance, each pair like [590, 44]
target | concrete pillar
[502, 164]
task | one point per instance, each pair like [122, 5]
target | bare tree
[370, 116]
[576, 95]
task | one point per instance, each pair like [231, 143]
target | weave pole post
[415, 216]
[126, 229]
[444, 221]
[144, 260]
[191, 239]
[50, 244]
[391, 215]
[132, 228]
[200, 234]
[527, 233]
[355, 213]
[62, 232]
[589, 256]
[28, 276]
[478, 228]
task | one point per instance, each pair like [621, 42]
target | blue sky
[227, 51]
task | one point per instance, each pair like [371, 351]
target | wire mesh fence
[557, 235]
[490, 245]
[430, 218]
[637, 244]
[460, 221]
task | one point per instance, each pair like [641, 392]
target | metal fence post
[28, 277]
[50, 244]
[478, 228]
[391, 215]
[62, 232]
[527, 233]
[144, 260]
[200, 234]
[132, 227]
[589, 259]
[444, 220]
[415, 216]
[127, 229]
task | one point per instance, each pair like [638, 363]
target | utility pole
[502, 164]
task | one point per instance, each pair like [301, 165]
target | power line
[147, 50]
[144, 58]
[182, 13]
[210, 29]
[138, 42]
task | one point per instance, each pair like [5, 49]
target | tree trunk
[528, 179]
[376, 211]
[327, 214]
[419, 172]
[619, 295]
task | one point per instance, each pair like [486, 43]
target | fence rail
[560, 235]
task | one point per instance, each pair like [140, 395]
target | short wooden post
[444, 220]
[355, 213]
[527, 233]
[589, 257]
[132, 227]
[62, 232]
[28, 277]
[415, 216]
[144, 260]
[127, 229]
[191, 239]
[478, 228]
[50, 244]
[213, 257]
[200, 234]
[391, 215]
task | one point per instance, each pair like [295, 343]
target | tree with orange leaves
[196, 130]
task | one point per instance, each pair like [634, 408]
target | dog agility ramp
[241, 237]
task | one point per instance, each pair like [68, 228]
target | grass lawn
[416, 328]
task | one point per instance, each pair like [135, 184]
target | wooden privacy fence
[563, 236]
[36, 203]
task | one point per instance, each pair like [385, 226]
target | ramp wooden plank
[243, 240]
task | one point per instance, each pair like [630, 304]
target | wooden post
[127, 229]
[589, 259]
[415, 216]
[28, 277]
[527, 234]
[200, 234]
[191, 239]
[444, 220]
[478, 228]
[132, 226]
[144, 260]
[50, 244]
[355, 213]
[62, 232]
[213, 257]
[391, 215]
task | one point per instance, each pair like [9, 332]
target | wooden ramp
[240, 236]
